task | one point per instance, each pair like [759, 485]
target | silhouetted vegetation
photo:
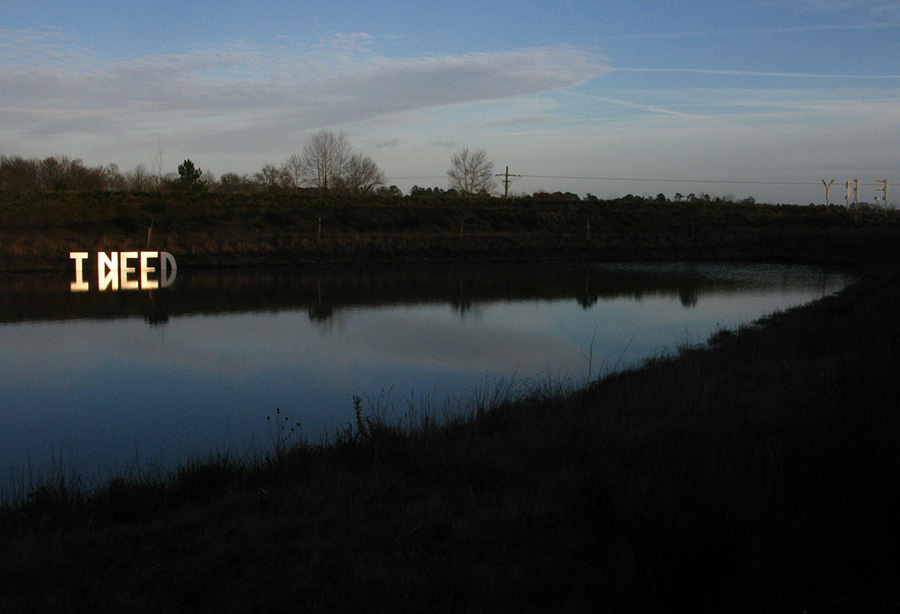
[39, 229]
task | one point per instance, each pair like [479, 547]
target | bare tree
[158, 167]
[140, 179]
[471, 172]
[113, 177]
[232, 183]
[360, 174]
[53, 172]
[324, 157]
[271, 179]
[293, 170]
[18, 174]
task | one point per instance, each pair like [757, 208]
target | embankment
[38, 230]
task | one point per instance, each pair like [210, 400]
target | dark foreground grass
[760, 475]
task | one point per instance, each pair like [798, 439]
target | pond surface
[103, 381]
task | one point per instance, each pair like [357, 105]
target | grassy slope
[757, 476]
[38, 230]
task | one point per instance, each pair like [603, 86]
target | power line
[507, 174]
[669, 180]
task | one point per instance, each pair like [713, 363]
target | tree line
[327, 162]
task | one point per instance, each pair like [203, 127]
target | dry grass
[37, 230]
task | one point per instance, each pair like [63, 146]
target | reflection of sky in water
[101, 393]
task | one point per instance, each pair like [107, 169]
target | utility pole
[852, 190]
[506, 181]
[883, 189]
[827, 191]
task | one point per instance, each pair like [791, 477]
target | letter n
[108, 270]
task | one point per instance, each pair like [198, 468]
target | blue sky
[759, 98]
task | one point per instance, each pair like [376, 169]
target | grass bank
[39, 229]
[756, 475]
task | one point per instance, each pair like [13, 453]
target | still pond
[100, 382]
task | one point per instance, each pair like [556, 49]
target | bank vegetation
[39, 229]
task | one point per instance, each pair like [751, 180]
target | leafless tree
[324, 157]
[113, 177]
[140, 179]
[232, 183]
[53, 172]
[271, 179]
[158, 168]
[19, 174]
[471, 172]
[293, 170]
[361, 174]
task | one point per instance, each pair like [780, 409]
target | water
[103, 381]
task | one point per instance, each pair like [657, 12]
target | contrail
[754, 73]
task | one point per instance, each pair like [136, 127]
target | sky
[757, 98]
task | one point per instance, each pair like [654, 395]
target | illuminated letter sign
[126, 271]
[79, 285]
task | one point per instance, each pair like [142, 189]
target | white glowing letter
[146, 269]
[124, 270]
[168, 269]
[79, 285]
[108, 270]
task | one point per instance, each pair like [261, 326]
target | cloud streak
[877, 23]
[230, 93]
[755, 73]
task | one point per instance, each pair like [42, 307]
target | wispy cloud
[50, 47]
[875, 22]
[231, 95]
[863, 14]
[649, 108]
[755, 73]
[875, 6]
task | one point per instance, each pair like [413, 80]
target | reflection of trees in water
[156, 314]
[688, 291]
[323, 291]
[461, 306]
[686, 285]
[468, 310]
[320, 312]
[156, 319]
[461, 303]
[585, 298]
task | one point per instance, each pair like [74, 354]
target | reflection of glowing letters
[126, 271]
